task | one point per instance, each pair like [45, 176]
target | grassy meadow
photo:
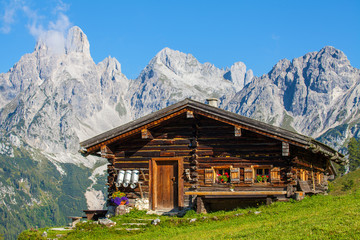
[333, 216]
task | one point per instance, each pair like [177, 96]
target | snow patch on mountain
[95, 199]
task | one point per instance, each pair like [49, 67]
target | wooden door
[166, 184]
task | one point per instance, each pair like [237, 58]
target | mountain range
[52, 99]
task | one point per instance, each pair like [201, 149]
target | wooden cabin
[194, 154]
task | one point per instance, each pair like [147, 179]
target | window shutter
[248, 175]
[209, 176]
[275, 175]
[235, 175]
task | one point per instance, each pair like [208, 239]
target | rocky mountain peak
[111, 63]
[57, 43]
[76, 41]
[239, 75]
[170, 53]
[329, 51]
[176, 61]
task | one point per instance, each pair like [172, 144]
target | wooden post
[312, 177]
[268, 200]
[141, 191]
[200, 208]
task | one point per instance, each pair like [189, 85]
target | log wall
[205, 143]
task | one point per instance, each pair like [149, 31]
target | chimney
[213, 102]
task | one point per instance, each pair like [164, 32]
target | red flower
[222, 180]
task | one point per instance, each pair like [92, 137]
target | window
[221, 175]
[262, 174]
[303, 175]
[261, 171]
[320, 177]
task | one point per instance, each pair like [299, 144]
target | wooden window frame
[304, 175]
[255, 167]
[221, 167]
[214, 168]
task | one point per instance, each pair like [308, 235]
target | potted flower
[265, 178]
[119, 198]
[223, 178]
[259, 178]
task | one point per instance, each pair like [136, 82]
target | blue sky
[258, 33]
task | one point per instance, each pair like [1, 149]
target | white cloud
[62, 24]
[8, 15]
[61, 7]
[53, 35]
[51, 32]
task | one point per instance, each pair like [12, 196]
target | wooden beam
[189, 114]
[237, 131]
[236, 193]
[146, 134]
[105, 150]
[143, 175]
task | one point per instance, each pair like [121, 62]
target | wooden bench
[237, 193]
[95, 214]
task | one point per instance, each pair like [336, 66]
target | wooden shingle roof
[94, 144]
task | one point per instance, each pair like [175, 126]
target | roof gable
[154, 119]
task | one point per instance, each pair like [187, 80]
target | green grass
[317, 217]
[334, 216]
[346, 184]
